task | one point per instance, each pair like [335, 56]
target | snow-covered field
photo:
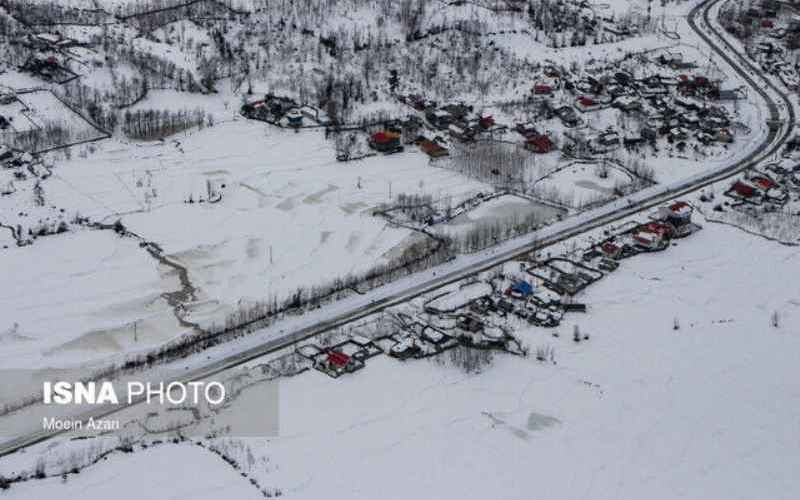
[163, 472]
[706, 411]
[81, 299]
[640, 409]
[583, 183]
[289, 216]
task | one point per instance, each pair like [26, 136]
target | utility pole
[270, 255]
[135, 331]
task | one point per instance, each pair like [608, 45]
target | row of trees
[491, 233]
[151, 124]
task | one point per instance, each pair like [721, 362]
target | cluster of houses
[409, 339]
[284, 112]
[49, 56]
[771, 187]
[390, 138]
[668, 223]
[48, 68]
[774, 27]
[677, 107]
[540, 294]
[12, 158]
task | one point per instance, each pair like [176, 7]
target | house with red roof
[743, 189]
[539, 144]
[763, 183]
[611, 250]
[585, 103]
[647, 240]
[385, 141]
[433, 149]
[486, 122]
[542, 90]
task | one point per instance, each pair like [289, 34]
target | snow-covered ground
[706, 411]
[163, 472]
[81, 299]
[289, 216]
[640, 409]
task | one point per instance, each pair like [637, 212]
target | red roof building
[432, 149]
[385, 141]
[338, 359]
[647, 240]
[662, 230]
[610, 250]
[486, 122]
[586, 102]
[743, 189]
[540, 144]
[764, 183]
[542, 89]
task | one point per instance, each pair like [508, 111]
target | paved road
[446, 274]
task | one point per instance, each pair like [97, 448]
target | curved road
[389, 295]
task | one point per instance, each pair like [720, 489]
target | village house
[611, 250]
[469, 323]
[607, 141]
[652, 86]
[433, 149]
[724, 135]
[676, 134]
[727, 94]
[6, 153]
[433, 335]
[542, 90]
[679, 216]
[386, 141]
[539, 144]
[486, 122]
[647, 240]
[585, 104]
[406, 348]
[742, 189]
[294, 118]
[337, 363]
[520, 290]
[627, 104]
[439, 118]
[568, 116]
[461, 132]
[527, 130]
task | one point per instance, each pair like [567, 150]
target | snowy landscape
[495, 248]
